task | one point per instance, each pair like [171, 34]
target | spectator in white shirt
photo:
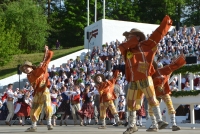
[173, 86]
[187, 87]
[67, 69]
[166, 60]
[59, 83]
[53, 71]
[103, 52]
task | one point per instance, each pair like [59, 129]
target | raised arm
[158, 34]
[47, 58]
[115, 75]
[132, 43]
[44, 64]
[168, 69]
[68, 93]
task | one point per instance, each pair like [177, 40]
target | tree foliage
[30, 22]
[192, 12]
[153, 11]
[125, 10]
[69, 22]
[40, 21]
[9, 39]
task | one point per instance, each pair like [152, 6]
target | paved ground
[16, 129]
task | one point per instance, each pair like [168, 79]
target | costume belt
[140, 84]
[74, 102]
[9, 99]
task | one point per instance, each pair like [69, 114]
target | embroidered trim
[144, 60]
[161, 76]
[154, 49]
[159, 32]
[170, 69]
[153, 41]
[143, 66]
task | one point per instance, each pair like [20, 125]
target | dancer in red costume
[160, 80]
[38, 78]
[107, 95]
[138, 55]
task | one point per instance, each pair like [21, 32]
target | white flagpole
[104, 9]
[88, 12]
[95, 11]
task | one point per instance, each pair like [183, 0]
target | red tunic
[161, 76]
[39, 76]
[139, 55]
[106, 89]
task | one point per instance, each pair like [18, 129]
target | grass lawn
[11, 68]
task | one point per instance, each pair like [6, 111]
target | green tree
[153, 11]
[192, 12]
[122, 10]
[30, 22]
[9, 40]
[70, 22]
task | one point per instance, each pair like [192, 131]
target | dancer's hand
[167, 20]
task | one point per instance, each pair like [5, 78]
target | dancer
[25, 107]
[87, 110]
[75, 104]
[38, 78]
[138, 55]
[54, 103]
[64, 108]
[10, 97]
[160, 80]
[106, 91]
[96, 107]
[121, 108]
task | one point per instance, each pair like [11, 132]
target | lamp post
[88, 10]
[19, 73]
[95, 11]
[104, 9]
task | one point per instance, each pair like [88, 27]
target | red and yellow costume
[138, 63]
[38, 78]
[160, 80]
[107, 95]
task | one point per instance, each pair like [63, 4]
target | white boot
[49, 125]
[173, 121]
[132, 123]
[154, 126]
[161, 124]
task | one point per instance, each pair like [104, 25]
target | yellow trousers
[40, 100]
[104, 106]
[136, 91]
[168, 102]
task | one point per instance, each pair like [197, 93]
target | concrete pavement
[91, 129]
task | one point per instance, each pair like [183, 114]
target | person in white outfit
[10, 105]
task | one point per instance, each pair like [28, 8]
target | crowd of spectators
[81, 71]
